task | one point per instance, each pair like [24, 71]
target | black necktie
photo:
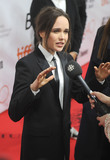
[56, 73]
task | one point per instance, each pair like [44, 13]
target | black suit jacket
[77, 14]
[92, 143]
[46, 129]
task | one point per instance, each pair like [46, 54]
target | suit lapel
[43, 64]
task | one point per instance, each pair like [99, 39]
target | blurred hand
[102, 120]
[102, 97]
[103, 71]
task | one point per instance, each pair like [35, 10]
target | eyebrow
[60, 28]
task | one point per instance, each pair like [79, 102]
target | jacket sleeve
[79, 93]
[22, 97]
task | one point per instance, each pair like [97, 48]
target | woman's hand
[102, 97]
[41, 79]
[102, 120]
[103, 71]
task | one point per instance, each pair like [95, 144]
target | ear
[42, 34]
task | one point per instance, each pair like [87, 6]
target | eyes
[57, 30]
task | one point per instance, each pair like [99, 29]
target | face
[58, 35]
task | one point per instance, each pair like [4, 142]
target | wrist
[33, 87]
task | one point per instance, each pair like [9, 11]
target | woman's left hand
[103, 71]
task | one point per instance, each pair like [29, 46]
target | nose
[62, 35]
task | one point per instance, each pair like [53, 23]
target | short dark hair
[45, 20]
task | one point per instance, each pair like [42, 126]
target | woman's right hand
[41, 79]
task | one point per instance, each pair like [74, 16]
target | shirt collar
[48, 56]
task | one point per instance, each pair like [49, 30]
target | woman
[94, 145]
[73, 7]
[39, 98]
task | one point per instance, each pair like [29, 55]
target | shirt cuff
[35, 92]
[102, 82]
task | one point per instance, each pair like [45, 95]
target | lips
[60, 44]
